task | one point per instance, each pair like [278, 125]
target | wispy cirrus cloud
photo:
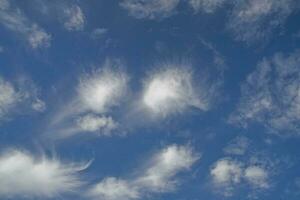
[24, 175]
[270, 95]
[16, 21]
[158, 175]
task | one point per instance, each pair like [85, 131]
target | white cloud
[228, 175]
[22, 175]
[271, 95]
[226, 171]
[75, 19]
[92, 123]
[97, 94]
[4, 4]
[256, 19]
[14, 20]
[157, 176]
[39, 105]
[150, 9]
[8, 97]
[113, 189]
[16, 96]
[102, 89]
[38, 37]
[238, 146]
[171, 90]
[208, 6]
[257, 176]
[99, 33]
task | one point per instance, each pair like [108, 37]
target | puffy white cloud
[271, 95]
[260, 17]
[23, 175]
[74, 18]
[150, 9]
[228, 175]
[92, 123]
[208, 6]
[171, 90]
[113, 189]
[102, 89]
[14, 20]
[257, 176]
[226, 171]
[158, 175]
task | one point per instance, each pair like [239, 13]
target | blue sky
[150, 99]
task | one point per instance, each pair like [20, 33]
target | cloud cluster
[23, 175]
[18, 96]
[271, 95]
[227, 174]
[158, 175]
[172, 89]
[260, 16]
[102, 89]
[97, 94]
[74, 18]
[208, 6]
[93, 123]
[13, 19]
[8, 97]
[150, 9]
